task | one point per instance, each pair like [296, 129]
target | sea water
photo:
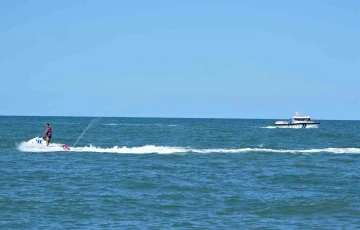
[163, 173]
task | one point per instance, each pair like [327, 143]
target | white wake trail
[148, 149]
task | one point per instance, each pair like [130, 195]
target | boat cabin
[301, 118]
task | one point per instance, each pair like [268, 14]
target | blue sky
[189, 58]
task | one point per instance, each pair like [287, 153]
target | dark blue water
[154, 173]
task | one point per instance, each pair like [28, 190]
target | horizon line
[159, 117]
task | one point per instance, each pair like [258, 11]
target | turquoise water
[155, 173]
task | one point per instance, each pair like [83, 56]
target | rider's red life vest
[49, 130]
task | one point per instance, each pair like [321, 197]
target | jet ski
[42, 141]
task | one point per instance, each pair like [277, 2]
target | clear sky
[188, 58]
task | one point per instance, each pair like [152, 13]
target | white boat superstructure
[298, 122]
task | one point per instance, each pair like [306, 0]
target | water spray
[92, 122]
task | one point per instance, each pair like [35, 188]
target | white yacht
[298, 122]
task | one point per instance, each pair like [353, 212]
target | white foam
[134, 150]
[268, 127]
[147, 149]
[125, 124]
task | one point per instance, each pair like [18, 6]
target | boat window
[302, 119]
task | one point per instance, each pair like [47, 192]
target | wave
[148, 149]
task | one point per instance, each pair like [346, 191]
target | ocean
[177, 173]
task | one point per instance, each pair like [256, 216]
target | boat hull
[298, 126]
